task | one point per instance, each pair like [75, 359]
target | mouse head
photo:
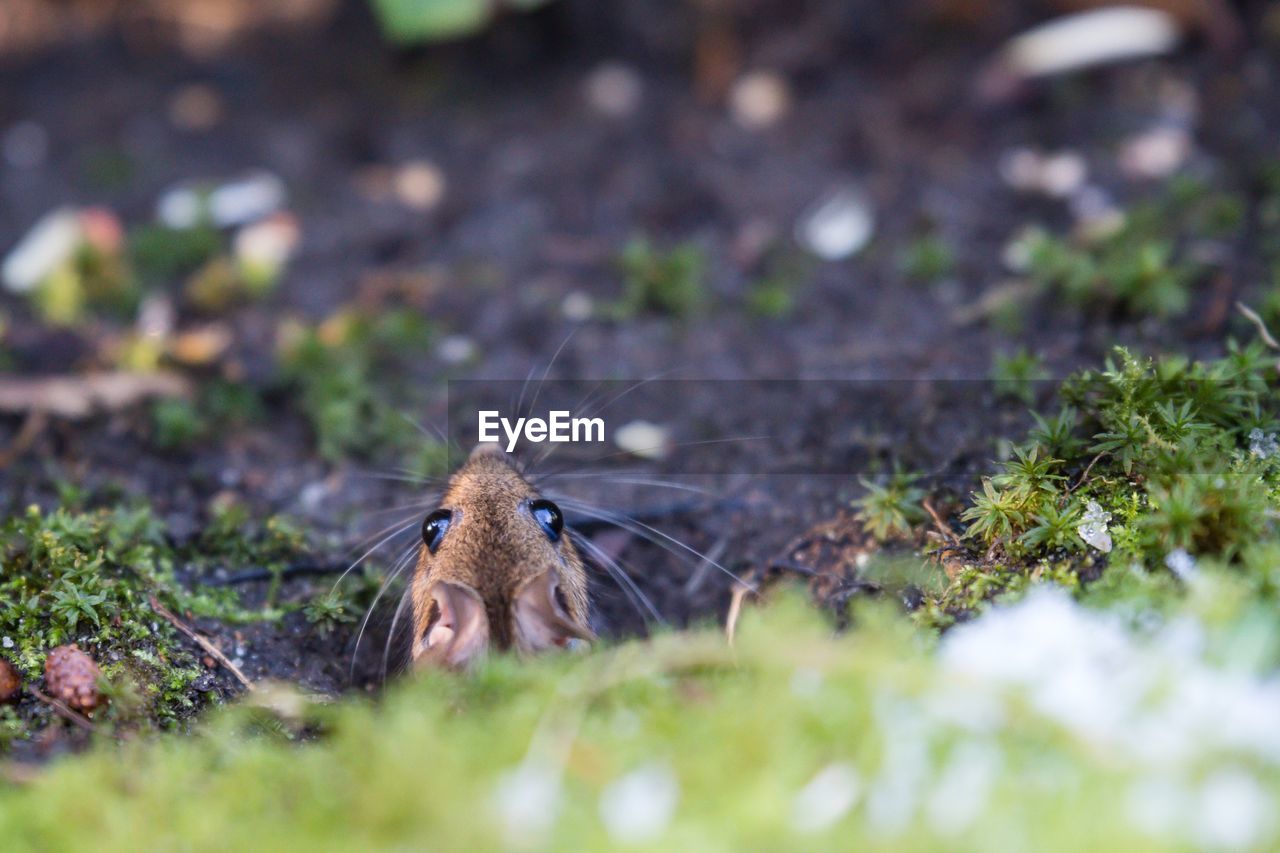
[495, 569]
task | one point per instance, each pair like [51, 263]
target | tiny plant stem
[62, 710]
[1263, 331]
[209, 647]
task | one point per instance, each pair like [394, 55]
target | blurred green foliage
[416, 21]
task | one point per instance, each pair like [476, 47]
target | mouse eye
[434, 527]
[548, 515]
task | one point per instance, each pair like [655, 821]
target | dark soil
[543, 192]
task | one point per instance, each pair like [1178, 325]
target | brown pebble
[209, 662]
[71, 676]
[10, 682]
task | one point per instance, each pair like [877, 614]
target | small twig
[209, 647]
[1263, 332]
[62, 710]
[32, 425]
[938, 522]
[1085, 474]
[735, 610]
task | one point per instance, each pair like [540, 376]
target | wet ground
[543, 188]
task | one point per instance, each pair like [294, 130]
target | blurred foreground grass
[793, 739]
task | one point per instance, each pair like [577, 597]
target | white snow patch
[828, 797]
[637, 807]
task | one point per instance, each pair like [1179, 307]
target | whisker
[636, 527]
[435, 433]
[677, 445]
[393, 534]
[657, 484]
[391, 636]
[519, 408]
[633, 592]
[400, 565]
[546, 371]
[404, 521]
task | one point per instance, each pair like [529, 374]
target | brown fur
[494, 547]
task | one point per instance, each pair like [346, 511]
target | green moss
[1016, 374]
[337, 370]
[161, 253]
[891, 508]
[523, 754]
[1143, 268]
[671, 282]
[927, 258]
[1174, 451]
[87, 577]
[220, 406]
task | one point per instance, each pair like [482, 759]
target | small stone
[156, 317]
[577, 306]
[50, 243]
[1063, 174]
[71, 676]
[456, 349]
[1156, 153]
[1097, 216]
[238, 202]
[101, 229]
[1057, 175]
[614, 90]
[196, 107]
[644, 439]
[180, 207]
[638, 807]
[1263, 445]
[263, 248]
[253, 197]
[25, 145]
[10, 681]
[759, 100]
[1020, 169]
[828, 797]
[201, 345]
[1089, 39]
[838, 226]
[419, 185]
[1182, 564]
[1093, 527]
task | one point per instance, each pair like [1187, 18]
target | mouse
[496, 570]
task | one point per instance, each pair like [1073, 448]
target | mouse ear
[541, 620]
[459, 631]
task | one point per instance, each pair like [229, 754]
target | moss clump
[818, 742]
[87, 577]
[335, 368]
[1176, 460]
[891, 508]
[927, 259]
[671, 282]
[1146, 266]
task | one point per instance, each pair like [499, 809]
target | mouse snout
[461, 625]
